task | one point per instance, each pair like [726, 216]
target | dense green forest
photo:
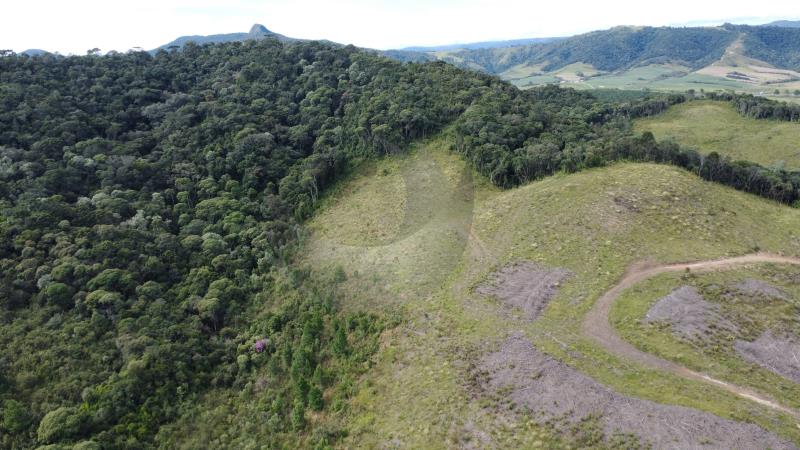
[530, 134]
[151, 208]
[758, 107]
[775, 45]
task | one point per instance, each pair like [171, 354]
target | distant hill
[408, 55]
[608, 50]
[784, 24]
[257, 31]
[485, 44]
[777, 46]
[35, 52]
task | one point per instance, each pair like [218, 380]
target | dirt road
[596, 324]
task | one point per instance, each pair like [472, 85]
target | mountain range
[740, 57]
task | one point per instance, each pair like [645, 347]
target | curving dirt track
[596, 324]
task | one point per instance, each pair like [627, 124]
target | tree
[340, 340]
[315, 398]
[16, 417]
[59, 424]
[298, 419]
[58, 294]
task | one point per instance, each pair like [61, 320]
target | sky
[78, 25]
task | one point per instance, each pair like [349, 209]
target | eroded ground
[524, 285]
[554, 392]
[689, 315]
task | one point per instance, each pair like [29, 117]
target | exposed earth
[558, 394]
[780, 354]
[689, 315]
[758, 287]
[525, 285]
[470, 275]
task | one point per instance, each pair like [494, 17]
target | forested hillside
[150, 208]
[151, 205]
[779, 46]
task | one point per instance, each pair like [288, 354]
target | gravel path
[597, 327]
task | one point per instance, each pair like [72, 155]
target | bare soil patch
[757, 287]
[525, 285]
[689, 315]
[555, 393]
[780, 354]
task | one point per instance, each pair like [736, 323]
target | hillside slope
[427, 388]
[784, 23]
[483, 44]
[156, 288]
[712, 126]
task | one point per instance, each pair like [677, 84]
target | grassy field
[717, 357]
[663, 78]
[522, 71]
[536, 80]
[655, 77]
[637, 78]
[594, 223]
[715, 126]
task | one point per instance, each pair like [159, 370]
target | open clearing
[739, 73]
[688, 314]
[734, 64]
[711, 126]
[594, 224]
[760, 307]
[597, 325]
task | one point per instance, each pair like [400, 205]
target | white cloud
[75, 26]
